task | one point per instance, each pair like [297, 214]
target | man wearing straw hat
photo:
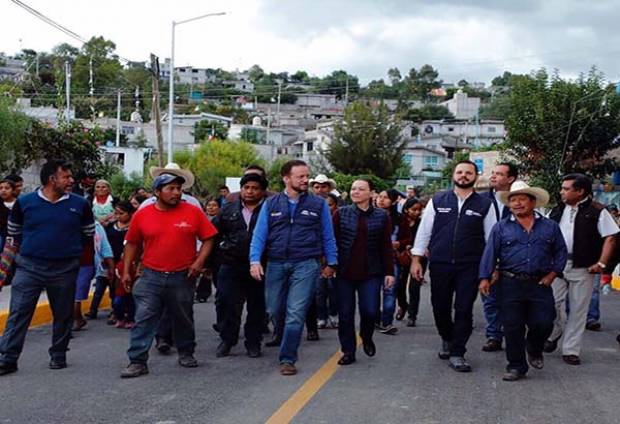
[174, 169]
[529, 252]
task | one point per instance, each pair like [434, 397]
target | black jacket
[234, 236]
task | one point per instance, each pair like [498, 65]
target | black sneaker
[312, 336]
[274, 342]
[134, 370]
[254, 352]
[550, 345]
[410, 322]
[459, 364]
[58, 364]
[593, 326]
[537, 362]
[8, 368]
[187, 360]
[222, 350]
[90, 315]
[444, 352]
[492, 345]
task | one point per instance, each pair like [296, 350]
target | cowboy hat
[322, 179]
[521, 187]
[174, 169]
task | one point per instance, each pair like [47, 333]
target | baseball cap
[165, 179]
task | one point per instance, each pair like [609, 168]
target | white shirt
[500, 205]
[423, 237]
[606, 225]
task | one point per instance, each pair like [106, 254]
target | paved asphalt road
[404, 383]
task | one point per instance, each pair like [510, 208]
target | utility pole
[68, 90]
[91, 89]
[346, 92]
[137, 97]
[155, 109]
[118, 118]
[37, 60]
[279, 95]
[268, 131]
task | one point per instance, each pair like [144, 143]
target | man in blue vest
[454, 228]
[294, 230]
[502, 177]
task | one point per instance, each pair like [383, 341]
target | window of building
[126, 130]
[408, 158]
[480, 164]
[491, 129]
[450, 129]
[309, 146]
[431, 161]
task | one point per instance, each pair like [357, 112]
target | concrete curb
[43, 313]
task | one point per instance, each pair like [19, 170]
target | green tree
[558, 126]
[300, 77]
[502, 80]
[215, 160]
[203, 130]
[368, 141]
[498, 108]
[420, 83]
[428, 111]
[13, 129]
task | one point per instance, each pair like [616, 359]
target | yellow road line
[289, 409]
[43, 313]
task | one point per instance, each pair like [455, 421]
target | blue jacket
[458, 237]
[376, 220]
[294, 231]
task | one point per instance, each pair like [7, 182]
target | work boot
[134, 370]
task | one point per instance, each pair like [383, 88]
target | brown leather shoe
[287, 368]
[571, 359]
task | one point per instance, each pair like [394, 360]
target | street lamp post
[171, 91]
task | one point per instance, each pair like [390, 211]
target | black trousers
[525, 305]
[236, 287]
[454, 286]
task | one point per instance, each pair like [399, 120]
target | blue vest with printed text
[458, 237]
[297, 237]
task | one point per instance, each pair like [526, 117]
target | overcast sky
[471, 39]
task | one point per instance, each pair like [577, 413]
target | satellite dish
[428, 129]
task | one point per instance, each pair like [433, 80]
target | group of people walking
[302, 257]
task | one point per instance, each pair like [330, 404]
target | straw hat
[174, 169]
[521, 187]
[322, 179]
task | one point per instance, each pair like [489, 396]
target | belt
[522, 276]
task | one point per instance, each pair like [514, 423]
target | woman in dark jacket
[365, 258]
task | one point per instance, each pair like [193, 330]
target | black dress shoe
[7, 368]
[313, 336]
[593, 326]
[369, 347]
[162, 347]
[513, 375]
[492, 345]
[346, 359]
[275, 342]
[223, 350]
[58, 364]
[254, 352]
[571, 359]
[550, 345]
[400, 314]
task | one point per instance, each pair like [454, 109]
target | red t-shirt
[169, 237]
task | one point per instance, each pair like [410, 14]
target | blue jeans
[594, 311]
[368, 292]
[58, 278]
[327, 298]
[389, 300]
[491, 314]
[124, 307]
[289, 289]
[152, 292]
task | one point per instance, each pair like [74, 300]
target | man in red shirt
[166, 232]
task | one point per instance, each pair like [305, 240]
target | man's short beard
[468, 185]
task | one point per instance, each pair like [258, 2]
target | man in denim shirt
[529, 251]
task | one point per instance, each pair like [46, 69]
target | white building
[477, 133]
[462, 106]
[186, 74]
